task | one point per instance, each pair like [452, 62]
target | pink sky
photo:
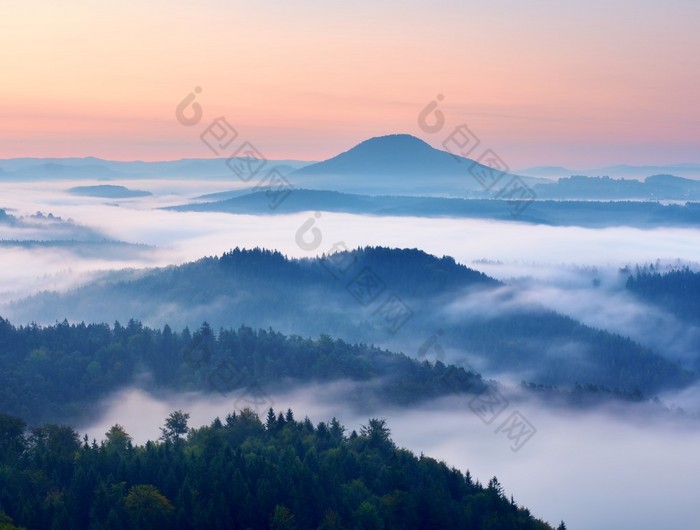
[540, 82]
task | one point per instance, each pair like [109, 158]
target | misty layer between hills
[405, 300]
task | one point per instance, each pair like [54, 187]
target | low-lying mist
[599, 468]
[589, 468]
[595, 296]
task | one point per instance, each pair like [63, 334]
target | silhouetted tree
[175, 426]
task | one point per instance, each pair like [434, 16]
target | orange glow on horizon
[554, 85]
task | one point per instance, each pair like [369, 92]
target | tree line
[57, 373]
[239, 473]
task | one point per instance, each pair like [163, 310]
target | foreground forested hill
[237, 474]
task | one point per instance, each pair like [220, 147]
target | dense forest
[677, 291]
[239, 473]
[396, 298]
[58, 372]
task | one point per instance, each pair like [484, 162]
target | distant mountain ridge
[655, 187]
[95, 168]
[688, 170]
[108, 192]
[407, 165]
[547, 212]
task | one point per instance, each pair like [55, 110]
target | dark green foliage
[262, 289]
[175, 426]
[12, 439]
[146, 507]
[7, 524]
[56, 373]
[240, 474]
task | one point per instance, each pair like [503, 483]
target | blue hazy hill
[655, 187]
[396, 164]
[107, 191]
[549, 212]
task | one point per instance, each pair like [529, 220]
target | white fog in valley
[510, 249]
[448, 253]
[599, 469]
[595, 469]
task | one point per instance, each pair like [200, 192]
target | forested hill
[395, 298]
[337, 295]
[677, 291]
[592, 214]
[60, 372]
[237, 474]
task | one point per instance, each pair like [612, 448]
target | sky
[543, 82]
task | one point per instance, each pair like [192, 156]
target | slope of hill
[108, 192]
[687, 170]
[240, 473]
[394, 298]
[656, 187]
[46, 227]
[677, 291]
[61, 372]
[31, 169]
[549, 212]
[406, 165]
[47, 231]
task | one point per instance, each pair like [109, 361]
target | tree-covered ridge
[414, 296]
[677, 291]
[237, 474]
[262, 288]
[543, 340]
[58, 372]
[576, 212]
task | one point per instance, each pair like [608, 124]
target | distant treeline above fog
[577, 212]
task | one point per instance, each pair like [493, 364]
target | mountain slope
[549, 212]
[688, 170]
[390, 297]
[62, 372]
[108, 192]
[397, 164]
[677, 291]
[242, 473]
[656, 187]
[90, 168]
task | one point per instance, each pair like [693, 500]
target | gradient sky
[581, 84]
